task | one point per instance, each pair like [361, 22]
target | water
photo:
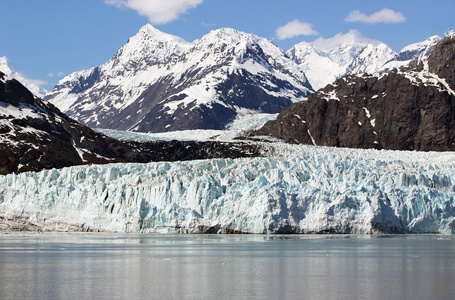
[101, 266]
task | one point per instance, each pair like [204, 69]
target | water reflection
[44, 266]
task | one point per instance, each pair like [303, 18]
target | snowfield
[294, 189]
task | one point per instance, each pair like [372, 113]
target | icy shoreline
[300, 189]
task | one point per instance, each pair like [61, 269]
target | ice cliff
[297, 189]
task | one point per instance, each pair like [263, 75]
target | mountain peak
[449, 33]
[431, 41]
[228, 35]
[149, 31]
[6, 66]
[323, 60]
[10, 72]
[150, 46]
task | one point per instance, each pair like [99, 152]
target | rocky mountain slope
[35, 135]
[158, 82]
[325, 60]
[408, 109]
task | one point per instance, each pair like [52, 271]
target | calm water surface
[101, 266]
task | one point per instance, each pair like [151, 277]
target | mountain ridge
[326, 60]
[203, 86]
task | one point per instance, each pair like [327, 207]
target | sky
[46, 40]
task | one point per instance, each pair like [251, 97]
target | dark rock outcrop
[35, 135]
[408, 109]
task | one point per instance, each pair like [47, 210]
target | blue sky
[48, 39]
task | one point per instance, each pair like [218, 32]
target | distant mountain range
[325, 60]
[410, 108]
[158, 82]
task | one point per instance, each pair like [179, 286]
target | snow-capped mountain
[411, 108]
[11, 73]
[35, 135]
[370, 59]
[417, 51]
[325, 60]
[158, 82]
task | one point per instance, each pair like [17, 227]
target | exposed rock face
[409, 109]
[35, 135]
[442, 60]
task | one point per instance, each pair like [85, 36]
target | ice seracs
[296, 189]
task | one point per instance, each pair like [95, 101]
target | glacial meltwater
[153, 266]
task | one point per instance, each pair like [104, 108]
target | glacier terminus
[292, 189]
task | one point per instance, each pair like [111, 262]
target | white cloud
[295, 28]
[385, 15]
[157, 11]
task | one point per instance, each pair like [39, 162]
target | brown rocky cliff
[410, 109]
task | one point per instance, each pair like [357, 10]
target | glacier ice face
[297, 189]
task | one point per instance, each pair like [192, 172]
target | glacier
[291, 189]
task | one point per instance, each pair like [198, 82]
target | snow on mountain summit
[323, 60]
[417, 51]
[10, 71]
[449, 33]
[158, 82]
[227, 35]
[150, 46]
[370, 59]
